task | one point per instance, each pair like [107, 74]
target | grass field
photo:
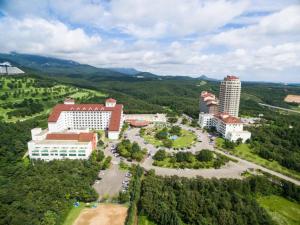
[73, 214]
[243, 151]
[282, 211]
[15, 90]
[143, 220]
[185, 140]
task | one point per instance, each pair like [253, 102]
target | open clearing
[282, 211]
[292, 98]
[104, 214]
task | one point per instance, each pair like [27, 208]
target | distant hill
[55, 66]
[128, 71]
[61, 67]
[204, 77]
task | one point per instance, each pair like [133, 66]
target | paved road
[230, 170]
[276, 107]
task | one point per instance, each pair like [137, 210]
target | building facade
[230, 93]
[74, 144]
[231, 128]
[71, 116]
[208, 103]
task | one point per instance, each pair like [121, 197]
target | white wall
[114, 135]
[50, 151]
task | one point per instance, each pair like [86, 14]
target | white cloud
[165, 37]
[275, 28]
[140, 18]
[36, 35]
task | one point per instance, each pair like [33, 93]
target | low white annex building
[230, 127]
[74, 144]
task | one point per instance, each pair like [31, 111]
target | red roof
[230, 77]
[205, 94]
[81, 137]
[138, 123]
[111, 100]
[114, 124]
[226, 118]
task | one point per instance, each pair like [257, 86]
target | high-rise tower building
[230, 93]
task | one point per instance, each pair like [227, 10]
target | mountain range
[54, 66]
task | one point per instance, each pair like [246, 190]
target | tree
[49, 218]
[172, 119]
[160, 155]
[205, 155]
[175, 130]
[239, 141]
[162, 134]
[168, 143]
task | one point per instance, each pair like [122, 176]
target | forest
[39, 192]
[278, 138]
[177, 201]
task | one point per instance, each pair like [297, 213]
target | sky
[253, 39]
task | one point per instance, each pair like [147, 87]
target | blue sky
[253, 39]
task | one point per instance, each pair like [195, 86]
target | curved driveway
[230, 170]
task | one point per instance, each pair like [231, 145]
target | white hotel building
[68, 133]
[71, 116]
[230, 127]
[226, 121]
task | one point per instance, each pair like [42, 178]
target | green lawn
[47, 96]
[185, 140]
[143, 220]
[243, 151]
[282, 211]
[73, 214]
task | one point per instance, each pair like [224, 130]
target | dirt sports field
[104, 214]
[292, 98]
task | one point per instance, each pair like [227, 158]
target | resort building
[208, 103]
[73, 144]
[71, 116]
[230, 93]
[7, 69]
[69, 134]
[225, 120]
[228, 126]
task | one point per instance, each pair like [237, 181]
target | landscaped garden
[169, 137]
[130, 150]
[202, 159]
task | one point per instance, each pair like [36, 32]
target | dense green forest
[177, 201]
[278, 138]
[39, 192]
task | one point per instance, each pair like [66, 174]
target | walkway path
[276, 107]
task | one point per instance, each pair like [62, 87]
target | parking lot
[111, 181]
